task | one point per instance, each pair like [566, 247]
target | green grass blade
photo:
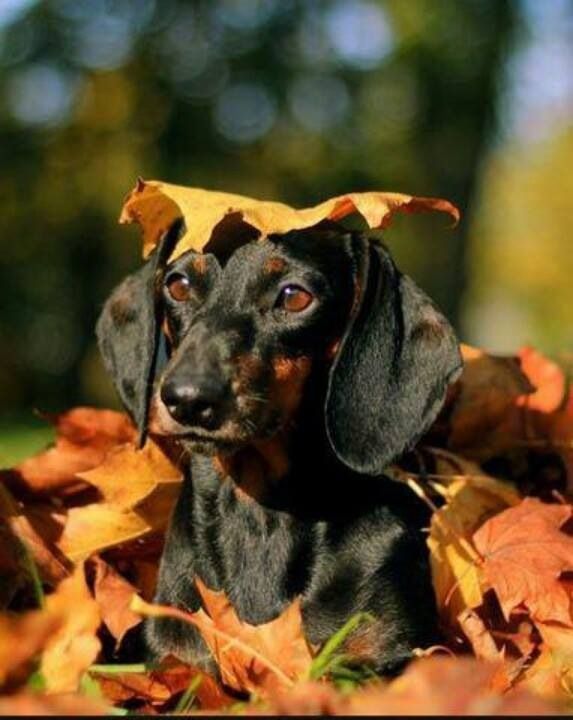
[186, 700]
[330, 655]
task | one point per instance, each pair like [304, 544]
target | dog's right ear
[129, 332]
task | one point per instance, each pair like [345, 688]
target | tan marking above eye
[294, 298]
[179, 288]
[275, 264]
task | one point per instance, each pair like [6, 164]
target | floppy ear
[389, 379]
[129, 333]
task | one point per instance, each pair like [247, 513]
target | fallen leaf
[482, 641]
[83, 438]
[74, 646]
[487, 390]
[550, 675]
[455, 563]
[138, 489]
[113, 594]
[34, 530]
[161, 685]
[305, 699]
[446, 686]
[155, 205]
[129, 476]
[33, 704]
[547, 378]
[22, 638]
[524, 553]
[257, 659]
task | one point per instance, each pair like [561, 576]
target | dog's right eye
[178, 287]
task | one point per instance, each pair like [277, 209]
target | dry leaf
[33, 704]
[74, 647]
[128, 477]
[482, 641]
[22, 638]
[487, 389]
[139, 488]
[155, 205]
[252, 658]
[446, 686]
[455, 563]
[524, 553]
[113, 594]
[306, 699]
[160, 686]
[83, 438]
[36, 530]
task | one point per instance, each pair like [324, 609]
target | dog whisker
[256, 398]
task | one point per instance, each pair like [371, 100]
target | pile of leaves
[82, 526]
[82, 532]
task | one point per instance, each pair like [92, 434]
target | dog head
[246, 337]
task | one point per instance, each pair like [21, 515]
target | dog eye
[294, 298]
[178, 287]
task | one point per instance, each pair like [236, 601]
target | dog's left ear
[129, 333]
[389, 378]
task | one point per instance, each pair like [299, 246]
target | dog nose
[196, 401]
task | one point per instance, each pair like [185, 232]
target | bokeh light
[40, 95]
[244, 112]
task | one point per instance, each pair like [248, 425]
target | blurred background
[292, 100]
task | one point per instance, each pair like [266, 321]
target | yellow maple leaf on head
[155, 205]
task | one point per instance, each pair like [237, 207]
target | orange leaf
[161, 685]
[444, 686]
[22, 638]
[113, 594]
[547, 378]
[155, 205]
[74, 646]
[83, 438]
[524, 553]
[251, 658]
[33, 704]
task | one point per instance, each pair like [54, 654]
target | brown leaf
[524, 553]
[113, 594]
[35, 529]
[155, 205]
[257, 659]
[83, 438]
[74, 647]
[487, 390]
[160, 686]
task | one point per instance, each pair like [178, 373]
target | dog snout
[197, 401]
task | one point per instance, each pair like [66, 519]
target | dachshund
[290, 371]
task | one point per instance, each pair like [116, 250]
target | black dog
[297, 369]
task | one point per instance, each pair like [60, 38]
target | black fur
[329, 526]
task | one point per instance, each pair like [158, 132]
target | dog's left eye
[178, 287]
[294, 298]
